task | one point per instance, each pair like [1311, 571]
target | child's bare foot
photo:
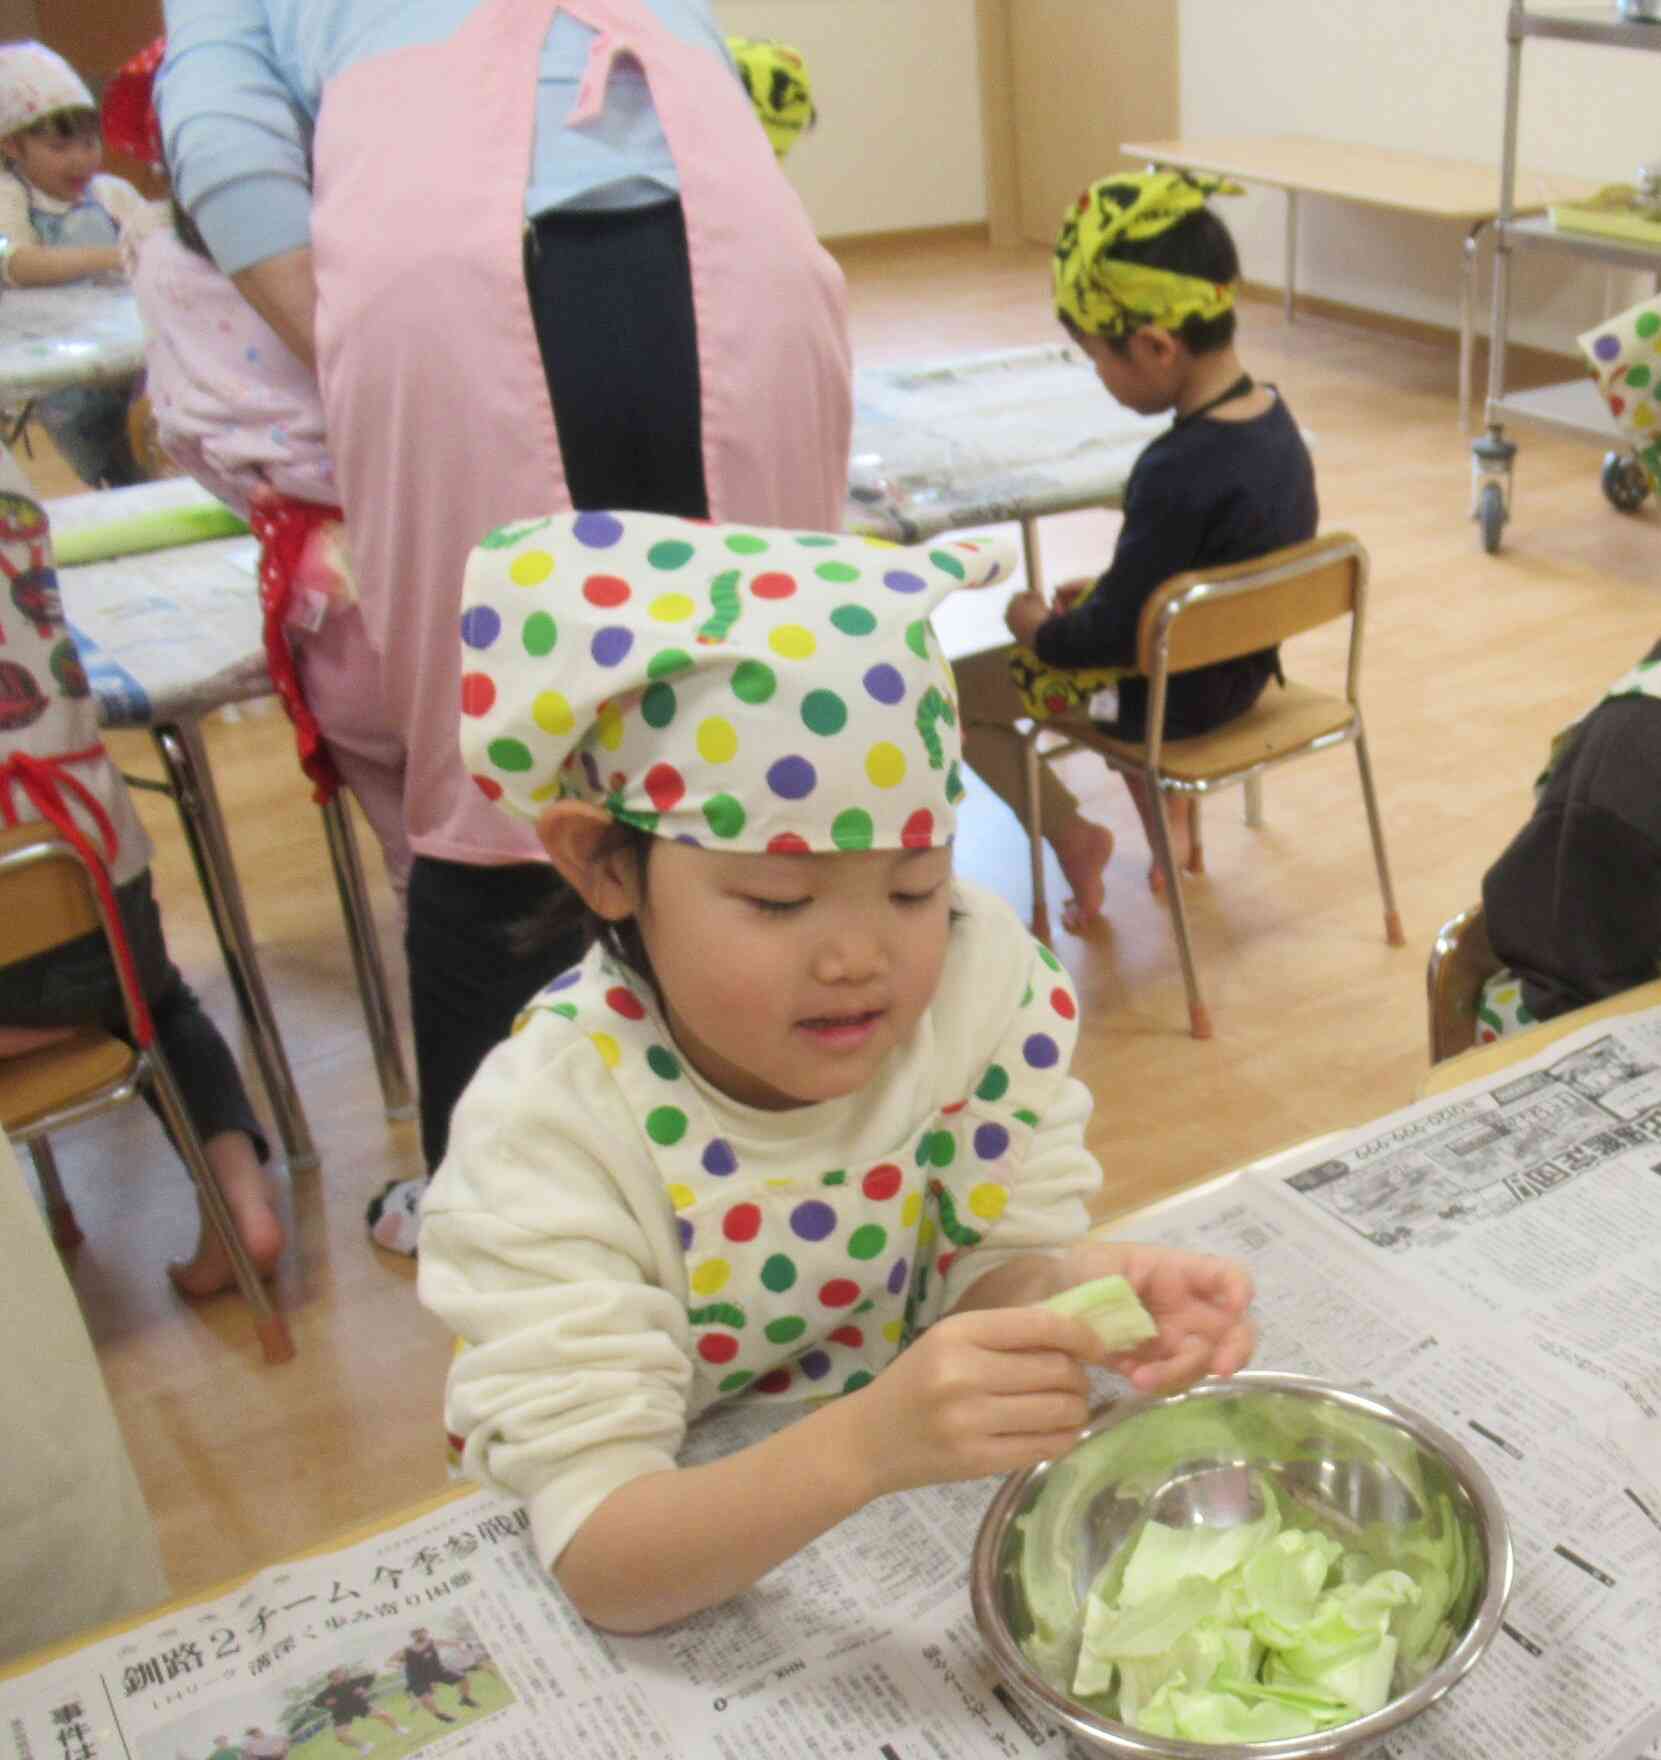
[242, 1179]
[1084, 849]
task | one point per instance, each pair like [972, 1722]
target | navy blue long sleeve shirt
[1205, 494]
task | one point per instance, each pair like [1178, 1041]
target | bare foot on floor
[241, 1177]
[1084, 849]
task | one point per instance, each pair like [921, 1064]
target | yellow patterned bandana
[1105, 296]
[1047, 691]
[776, 79]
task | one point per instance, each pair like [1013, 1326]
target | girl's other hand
[1199, 1301]
[985, 1392]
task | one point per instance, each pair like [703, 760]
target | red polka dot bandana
[737, 687]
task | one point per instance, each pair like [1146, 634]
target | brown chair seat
[60, 1077]
[1280, 723]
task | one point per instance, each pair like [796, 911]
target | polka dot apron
[806, 1286]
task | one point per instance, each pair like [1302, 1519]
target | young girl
[800, 1125]
[62, 220]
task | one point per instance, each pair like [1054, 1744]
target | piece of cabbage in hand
[1111, 1309]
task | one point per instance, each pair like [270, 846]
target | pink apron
[433, 385]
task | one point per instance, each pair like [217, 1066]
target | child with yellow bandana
[1145, 280]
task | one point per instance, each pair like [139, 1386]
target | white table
[981, 439]
[86, 333]
[166, 637]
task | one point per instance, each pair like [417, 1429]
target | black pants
[76, 985]
[611, 294]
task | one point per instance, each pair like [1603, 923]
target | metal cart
[1575, 407]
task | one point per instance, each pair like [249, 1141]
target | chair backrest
[46, 895]
[1461, 961]
[49, 895]
[1201, 617]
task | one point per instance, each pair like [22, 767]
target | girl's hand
[985, 1392]
[1024, 613]
[1199, 1301]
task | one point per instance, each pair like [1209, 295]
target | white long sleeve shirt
[619, 1246]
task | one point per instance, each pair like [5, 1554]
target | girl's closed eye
[777, 907]
[918, 898]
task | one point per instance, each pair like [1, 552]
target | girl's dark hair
[1198, 245]
[566, 911]
[72, 124]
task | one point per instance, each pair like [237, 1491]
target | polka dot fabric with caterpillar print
[740, 688]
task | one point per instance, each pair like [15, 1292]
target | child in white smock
[62, 219]
[800, 1128]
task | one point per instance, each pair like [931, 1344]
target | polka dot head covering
[732, 686]
[36, 82]
[1104, 295]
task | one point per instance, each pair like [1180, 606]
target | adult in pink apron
[693, 358]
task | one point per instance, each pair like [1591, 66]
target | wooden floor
[1472, 662]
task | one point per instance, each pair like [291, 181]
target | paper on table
[864, 1644]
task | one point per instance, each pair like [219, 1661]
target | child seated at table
[62, 220]
[800, 1128]
[1145, 280]
[1573, 905]
[53, 766]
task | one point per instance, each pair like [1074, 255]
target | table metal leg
[366, 959]
[186, 760]
[1030, 554]
[1291, 254]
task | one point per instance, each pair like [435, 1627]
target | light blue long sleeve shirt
[240, 91]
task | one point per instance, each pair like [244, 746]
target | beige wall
[1086, 75]
[899, 143]
[1428, 75]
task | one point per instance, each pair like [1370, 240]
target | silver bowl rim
[1117, 1738]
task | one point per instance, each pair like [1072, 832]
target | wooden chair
[1199, 618]
[1461, 962]
[48, 896]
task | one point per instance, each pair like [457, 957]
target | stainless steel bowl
[1194, 1459]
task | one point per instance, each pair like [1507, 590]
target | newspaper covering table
[1491, 1257]
[85, 333]
[985, 438]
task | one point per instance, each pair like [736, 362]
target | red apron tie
[285, 527]
[43, 781]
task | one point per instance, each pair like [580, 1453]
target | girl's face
[787, 979]
[58, 164]
[1141, 375]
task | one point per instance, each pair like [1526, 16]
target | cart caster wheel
[1625, 481]
[1490, 513]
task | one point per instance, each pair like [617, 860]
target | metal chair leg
[197, 801]
[269, 1325]
[1196, 838]
[1392, 917]
[1035, 838]
[60, 1213]
[366, 959]
[1254, 800]
[1199, 1016]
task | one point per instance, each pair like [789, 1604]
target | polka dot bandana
[36, 82]
[731, 686]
